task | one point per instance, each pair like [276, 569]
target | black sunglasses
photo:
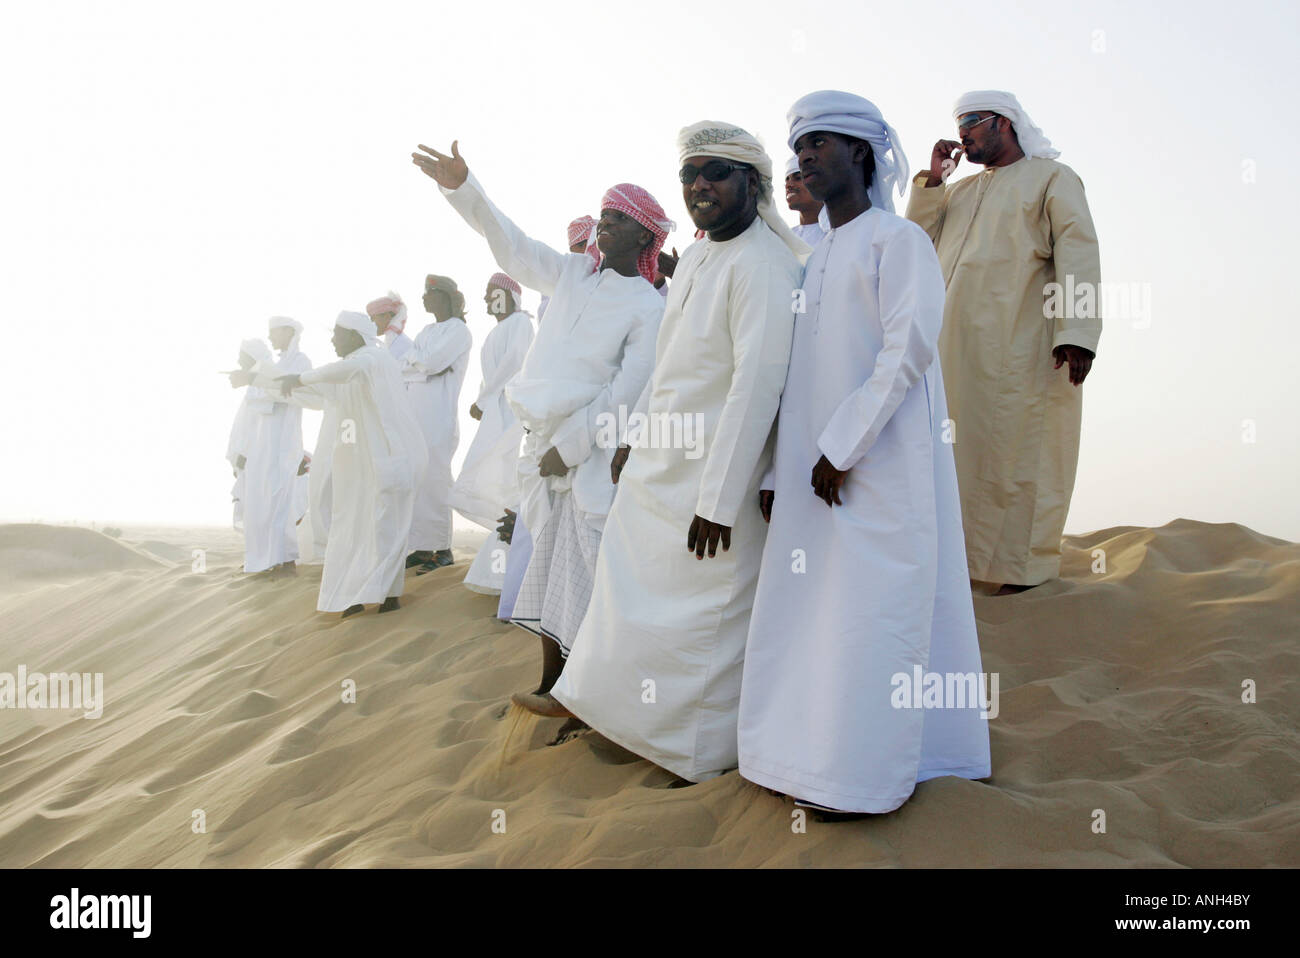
[715, 171]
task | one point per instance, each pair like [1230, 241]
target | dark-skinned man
[434, 370]
[656, 665]
[864, 571]
[378, 461]
[802, 202]
[488, 483]
[591, 357]
[1013, 360]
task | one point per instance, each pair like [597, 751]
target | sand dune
[1121, 690]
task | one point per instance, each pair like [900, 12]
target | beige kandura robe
[1002, 236]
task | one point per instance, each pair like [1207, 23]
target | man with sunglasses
[1009, 239]
[864, 500]
[592, 355]
[656, 664]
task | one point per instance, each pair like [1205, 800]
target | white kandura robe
[379, 459]
[810, 233]
[489, 479]
[592, 354]
[434, 369]
[270, 530]
[852, 595]
[243, 437]
[658, 615]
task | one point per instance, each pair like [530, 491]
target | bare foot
[546, 704]
[390, 604]
[569, 731]
[352, 610]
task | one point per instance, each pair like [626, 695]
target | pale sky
[176, 173]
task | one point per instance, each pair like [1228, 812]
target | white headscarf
[730, 142]
[792, 165]
[832, 111]
[279, 322]
[1032, 140]
[359, 323]
[259, 352]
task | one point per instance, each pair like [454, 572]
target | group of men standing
[379, 489]
[888, 421]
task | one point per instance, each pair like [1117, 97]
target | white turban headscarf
[1031, 138]
[359, 323]
[259, 352]
[792, 165]
[730, 142]
[832, 111]
[280, 322]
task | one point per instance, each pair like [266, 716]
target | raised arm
[529, 261]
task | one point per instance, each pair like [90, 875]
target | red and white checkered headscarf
[580, 230]
[392, 303]
[645, 209]
[502, 281]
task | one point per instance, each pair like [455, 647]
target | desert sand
[225, 738]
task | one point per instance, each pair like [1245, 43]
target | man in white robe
[434, 370]
[804, 203]
[379, 459]
[863, 581]
[254, 357]
[273, 457]
[488, 483]
[591, 358]
[656, 664]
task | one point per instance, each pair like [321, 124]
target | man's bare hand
[552, 464]
[618, 462]
[1080, 361]
[704, 533]
[475, 412]
[289, 383]
[668, 262]
[765, 498]
[448, 171]
[826, 482]
[943, 161]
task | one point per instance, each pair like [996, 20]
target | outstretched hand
[289, 383]
[667, 262]
[705, 533]
[449, 171]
